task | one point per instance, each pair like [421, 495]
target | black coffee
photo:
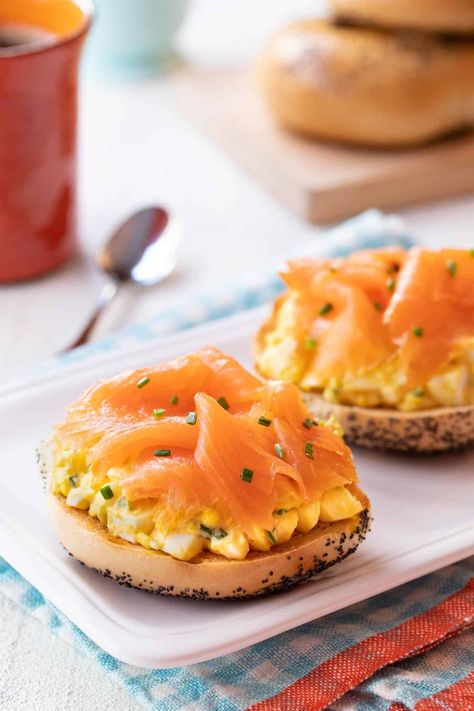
[20, 37]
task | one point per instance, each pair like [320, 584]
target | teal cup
[135, 36]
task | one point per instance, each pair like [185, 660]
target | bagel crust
[449, 16]
[208, 576]
[422, 432]
[367, 87]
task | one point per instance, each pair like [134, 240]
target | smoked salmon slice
[201, 432]
[328, 461]
[182, 483]
[409, 308]
[434, 296]
[117, 447]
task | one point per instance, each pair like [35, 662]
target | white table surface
[136, 148]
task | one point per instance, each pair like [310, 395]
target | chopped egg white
[125, 524]
[451, 388]
[183, 546]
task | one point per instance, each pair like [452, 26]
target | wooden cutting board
[318, 181]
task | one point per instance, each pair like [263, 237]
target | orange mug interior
[62, 18]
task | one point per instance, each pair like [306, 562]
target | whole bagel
[448, 16]
[367, 87]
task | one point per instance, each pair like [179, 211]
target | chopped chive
[390, 284]
[279, 451]
[223, 402]
[73, 479]
[246, 475]
[159, 412]
[471, 252]
[122, 503]
[192, 418]
[309, 343]
[452, 267]
[377, 306]
[162, 453]
[219, 533]
[308, 450]
[326, 309]
[308, 423]
[264, 421]
[418, 392]
[281, 512]
[213, 532]
[206, 530]
[107, 492]
[272, 538]
[174, 399]
[417, 331]
[142, 382]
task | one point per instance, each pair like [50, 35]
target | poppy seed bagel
[208, 576]
[422, 432]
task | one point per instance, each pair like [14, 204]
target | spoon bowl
[144, 249]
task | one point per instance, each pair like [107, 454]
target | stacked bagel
[382, 73]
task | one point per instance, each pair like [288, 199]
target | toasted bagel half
[426, 431]
[208, 576]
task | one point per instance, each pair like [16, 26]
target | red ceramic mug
[40, 48]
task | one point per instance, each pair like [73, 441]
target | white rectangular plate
[422, 508]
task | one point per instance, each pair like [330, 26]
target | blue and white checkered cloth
[236, 681]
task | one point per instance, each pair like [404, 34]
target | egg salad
[288, 354]
[181, 534]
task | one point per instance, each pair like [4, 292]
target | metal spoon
[143, 250]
